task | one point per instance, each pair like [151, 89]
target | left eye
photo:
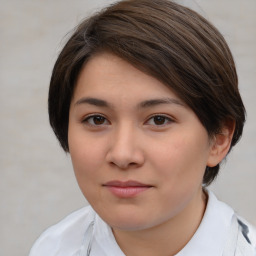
[159, 120]
[96, 120]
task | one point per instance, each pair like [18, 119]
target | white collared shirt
[68, 236]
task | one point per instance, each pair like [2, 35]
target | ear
[220, 143]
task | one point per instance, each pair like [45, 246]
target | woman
[144, 96]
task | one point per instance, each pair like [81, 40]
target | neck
[168, 238]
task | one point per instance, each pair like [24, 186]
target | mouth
[126, 189]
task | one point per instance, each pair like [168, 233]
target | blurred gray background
[37, 185]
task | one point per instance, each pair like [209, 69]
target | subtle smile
[126, 189]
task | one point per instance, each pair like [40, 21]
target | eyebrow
[93, 101]
[143, 104]
[155, 102]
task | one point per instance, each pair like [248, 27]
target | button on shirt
[69, 236]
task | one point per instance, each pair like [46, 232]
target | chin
[126, 220]
[132, 223]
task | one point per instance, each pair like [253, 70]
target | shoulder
[241, 229]
[248, 231]
[65, 235]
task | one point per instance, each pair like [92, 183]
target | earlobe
[221, 144]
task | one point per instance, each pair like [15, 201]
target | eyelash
[93, 117]
[166, 119]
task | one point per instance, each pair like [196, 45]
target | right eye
[96, 120]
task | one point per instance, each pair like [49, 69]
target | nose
[125, 150]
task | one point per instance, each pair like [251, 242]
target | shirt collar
[212, 233]
[209, 238]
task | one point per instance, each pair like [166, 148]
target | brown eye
[96, 120]
[159, 120]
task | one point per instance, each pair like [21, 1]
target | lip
[126, 189]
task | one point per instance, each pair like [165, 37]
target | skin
[126, 125]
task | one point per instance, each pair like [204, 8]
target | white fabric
[68, 236]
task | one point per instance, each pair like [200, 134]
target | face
[138, 152]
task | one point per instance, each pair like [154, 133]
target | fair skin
[139, 156]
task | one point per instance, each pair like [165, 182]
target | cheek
[85, 154]
[179, 169]
[181, 160]
[86, 164]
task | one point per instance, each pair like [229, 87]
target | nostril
[124, 166]
[124, 155]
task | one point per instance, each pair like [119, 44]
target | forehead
[108, 76]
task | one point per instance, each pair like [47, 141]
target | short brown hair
[166, 40]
